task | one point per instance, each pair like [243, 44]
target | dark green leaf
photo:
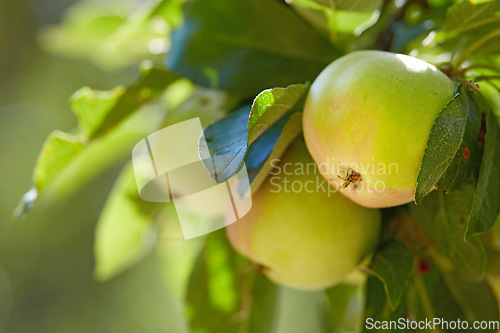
[267, 45]
[100, 111]
[444, 304]
[444, 141]
[449, 295]
[486, 206]
[464, 168]
[443, 217]
[393, 265]
[475, 298]
[428, 296]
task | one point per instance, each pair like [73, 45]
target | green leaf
[100, 111]
[267, 45]
[58, 151]
[91, 106]
[113, 34]
[486, 206]
[113, 121]
[231, 138]
[222, 298]
[443, 218]
[444, 141]
[467, 15]
[393, 265]
[340, 18]
[448, 295]
[170, 10]
[476, 299]
[226, 139]
[464, 168]
[444, 303]
[271, 104]
[471, 29]
[124, 234]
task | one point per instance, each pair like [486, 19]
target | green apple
[367, 120]
[305, 236]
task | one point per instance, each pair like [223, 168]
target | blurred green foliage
[46, 259]
[91, 256]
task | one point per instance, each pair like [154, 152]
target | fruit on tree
[301, 235]
[367, 120]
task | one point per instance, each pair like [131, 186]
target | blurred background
[48, 276]
[49, 49]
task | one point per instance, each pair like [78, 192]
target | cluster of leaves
[429, 262]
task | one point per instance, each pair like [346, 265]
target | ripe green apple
[304, 237]
[367, 120]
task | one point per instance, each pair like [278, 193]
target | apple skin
[306, 240]
[372, 112]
